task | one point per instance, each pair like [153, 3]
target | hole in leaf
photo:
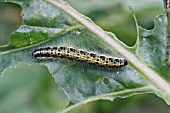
[106, 81]
[10, 20]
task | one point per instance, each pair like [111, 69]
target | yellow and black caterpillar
[79, 55]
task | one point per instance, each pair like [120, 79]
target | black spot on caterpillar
[79, 55]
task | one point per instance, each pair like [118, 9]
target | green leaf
[55, 23]
[21, 93]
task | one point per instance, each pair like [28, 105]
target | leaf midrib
[108, 96]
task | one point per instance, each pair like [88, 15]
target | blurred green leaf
[10, 20]
[115, 16]
[57, 24]
[35, 93]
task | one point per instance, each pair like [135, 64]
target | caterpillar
[79, 55]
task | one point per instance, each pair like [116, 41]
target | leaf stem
[107, 96]
[160, 86]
